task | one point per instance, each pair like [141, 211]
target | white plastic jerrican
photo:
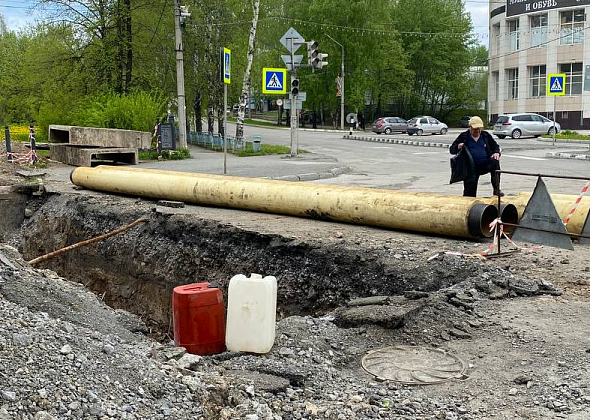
[251, 313]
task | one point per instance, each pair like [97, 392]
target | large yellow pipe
[563, 204]
[437, 214]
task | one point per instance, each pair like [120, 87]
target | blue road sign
[556, 84]
[226, 66]
[274, 81]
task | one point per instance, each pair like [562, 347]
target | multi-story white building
[530, 39]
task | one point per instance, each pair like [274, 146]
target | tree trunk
[129, 46]
[197, 105]
[246, 83]
[210, 114]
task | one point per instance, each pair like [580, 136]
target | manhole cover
[413, 365]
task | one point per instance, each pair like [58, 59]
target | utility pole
[294, 110]
[180, 13]
[342, 87]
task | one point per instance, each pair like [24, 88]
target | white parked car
[426, 125]
[525, 124]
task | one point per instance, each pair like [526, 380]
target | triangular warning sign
[556, 86]
[274, 82]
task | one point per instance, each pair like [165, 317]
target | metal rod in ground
[87, 242]
[576, 235]
[583, 178]
[498, 225]
[8, 146]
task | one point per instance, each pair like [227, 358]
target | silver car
[525, 124]
[425, 124]
[388, 125]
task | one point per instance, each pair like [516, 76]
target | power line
[158, 24]
[537, 46]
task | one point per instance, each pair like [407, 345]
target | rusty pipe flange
[479, 218]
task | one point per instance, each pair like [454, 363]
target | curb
[576, 156]
[397, 141]
[314, 176]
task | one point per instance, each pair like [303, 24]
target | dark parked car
[464, 122]
[388, 125]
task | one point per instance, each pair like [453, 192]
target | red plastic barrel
[199, 318]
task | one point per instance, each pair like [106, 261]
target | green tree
[436, 35]
[479, 55]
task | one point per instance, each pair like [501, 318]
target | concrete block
[309, 177]
[288, 178]
[100, 137]
[83, 156]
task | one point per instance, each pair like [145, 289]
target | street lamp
[342, 90]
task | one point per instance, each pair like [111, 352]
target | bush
[166, 154]
[135, 111]
[17, 133]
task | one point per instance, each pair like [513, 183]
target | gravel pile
[65, 355]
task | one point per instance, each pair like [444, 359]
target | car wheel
[501, 136]
[551, 130]
[419, 132]
[410, 134]
[516, 134]
[443, 131]
[387, 130]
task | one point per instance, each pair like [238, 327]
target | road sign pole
[294, 122]
[225, 129]
[554, 116]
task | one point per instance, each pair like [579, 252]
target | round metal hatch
[411, 365]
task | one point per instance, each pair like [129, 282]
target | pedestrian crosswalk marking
[274, 82]
[556, 86]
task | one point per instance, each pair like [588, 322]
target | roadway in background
[426, 169]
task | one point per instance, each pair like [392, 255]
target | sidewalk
[304, 167]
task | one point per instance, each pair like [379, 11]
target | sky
[18, 14]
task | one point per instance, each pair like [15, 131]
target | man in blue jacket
[485, 153]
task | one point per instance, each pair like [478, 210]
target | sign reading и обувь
[518, 7]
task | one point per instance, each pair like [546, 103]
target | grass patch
[254, 122]
[265, 149]
[568, 134]
[166, 154]
[43, 153]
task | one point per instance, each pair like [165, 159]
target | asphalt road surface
[427, 169]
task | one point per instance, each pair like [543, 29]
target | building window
[512, 77]
[538, 30]
[513, 30]
[496, 86]
[537, 81]
[573, 78]
[496, 37]
[572, 26]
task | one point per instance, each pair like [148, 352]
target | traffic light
[314, 57]
[320, 61]
[294, 86]
[312, 52]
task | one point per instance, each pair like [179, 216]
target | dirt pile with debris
[65, 354]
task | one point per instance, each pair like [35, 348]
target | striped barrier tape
[576, 203]
[494, 225]
[29, 157]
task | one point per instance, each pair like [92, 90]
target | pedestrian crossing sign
[273, 81]
[556, 84]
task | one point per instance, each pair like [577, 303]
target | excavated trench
[316, 270]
